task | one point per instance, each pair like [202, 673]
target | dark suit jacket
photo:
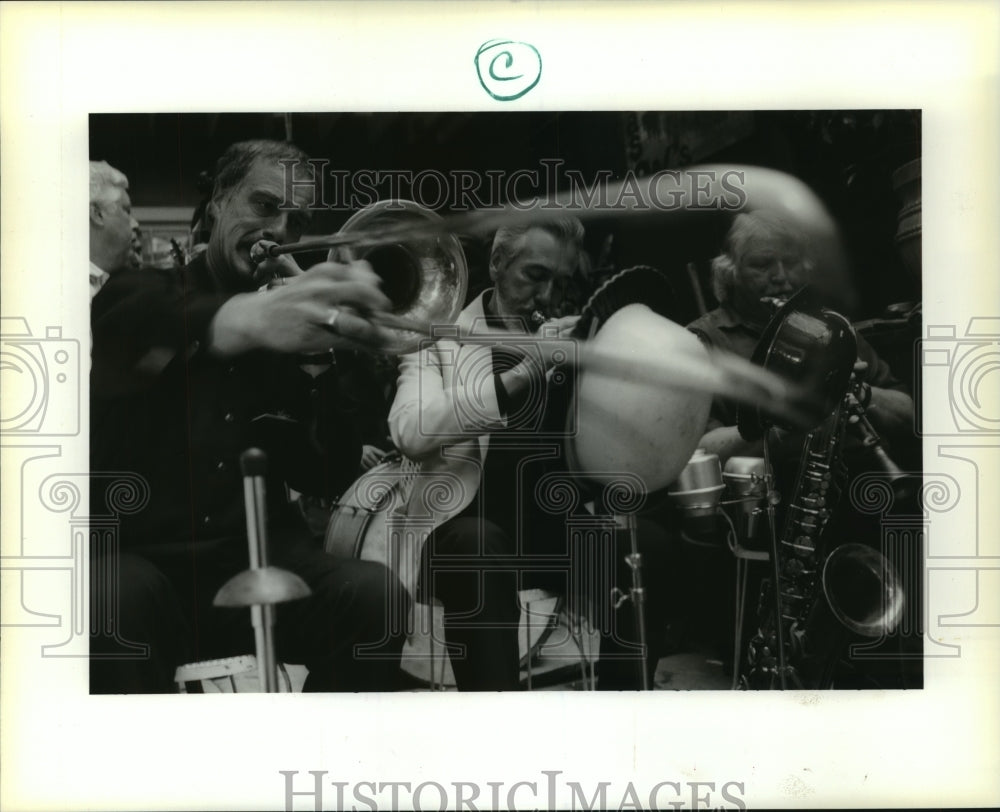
[164, 407]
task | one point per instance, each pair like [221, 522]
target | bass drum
[369, 523]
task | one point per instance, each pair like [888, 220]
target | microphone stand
[636, 594]
[261, 586]
[772, 499]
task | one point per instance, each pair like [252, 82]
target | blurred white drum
[629, 421]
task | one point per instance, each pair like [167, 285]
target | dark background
[846, 157]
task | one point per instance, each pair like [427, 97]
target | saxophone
[777, 650]
[820, 592]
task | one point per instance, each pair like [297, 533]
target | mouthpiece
[260, 251]
[774, 303]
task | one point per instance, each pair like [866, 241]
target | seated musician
[764, 257]
[462, 411]
[189, 370]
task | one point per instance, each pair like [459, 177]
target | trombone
[424, 271]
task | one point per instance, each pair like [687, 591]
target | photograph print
[505, 401]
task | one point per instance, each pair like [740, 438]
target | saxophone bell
[863, 590]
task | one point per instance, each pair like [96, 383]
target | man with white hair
[764, 257]
[111, 223]
[472, 415]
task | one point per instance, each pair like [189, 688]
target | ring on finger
[331, 319]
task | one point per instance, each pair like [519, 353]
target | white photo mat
[63, 749]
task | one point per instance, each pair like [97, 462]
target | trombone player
[190, 369]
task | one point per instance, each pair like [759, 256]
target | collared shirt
[725, 329]
[98, 277]
[503, 466]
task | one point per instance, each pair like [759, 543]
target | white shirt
[97, 278]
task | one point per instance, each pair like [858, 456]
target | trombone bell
[425, 278]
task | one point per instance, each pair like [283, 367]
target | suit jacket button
[230, 417]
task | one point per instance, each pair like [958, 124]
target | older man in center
[468, 412]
